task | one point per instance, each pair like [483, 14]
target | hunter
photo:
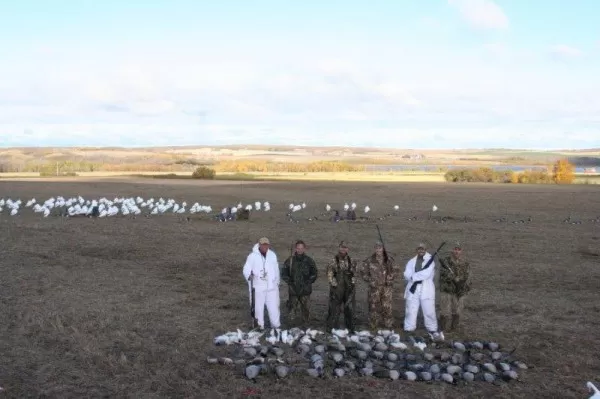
[341, 275]
[379, 271]
[299, 272]
[455, 284]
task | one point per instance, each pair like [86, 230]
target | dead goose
[282, 371]
[336, 357]
[212, 360]
[503, 366]
[425, 376]
[493, 346]
[508, 375]
[488, 377]
[448, 378]
[339, 372]
[471, 368]
[252, 371]
[490, 368]
[250, 351]
[520, 365]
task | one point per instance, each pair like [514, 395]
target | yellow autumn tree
[563, 172]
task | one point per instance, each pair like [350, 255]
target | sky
[397, 73]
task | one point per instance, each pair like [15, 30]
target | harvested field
[122, 307]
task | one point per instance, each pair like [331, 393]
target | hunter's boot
[455, 322]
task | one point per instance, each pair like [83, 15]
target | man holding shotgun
[299, 272]
[420, 291]
[379, 271]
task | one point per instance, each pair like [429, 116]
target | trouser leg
[373, 309]
[445, 311]
[457, 309]
[411, 311]
[292, 305]
[272, 301]
[304, 304]
[334, 311]
[259, 307]
[428, 306]
[386, 308]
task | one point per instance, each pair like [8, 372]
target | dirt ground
[123, 307]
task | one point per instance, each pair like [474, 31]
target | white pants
[271, 299]
[413, 303]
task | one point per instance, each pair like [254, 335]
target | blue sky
[397, 73]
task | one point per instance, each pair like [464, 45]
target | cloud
[412, 98]
[482, 14]
[562, 51]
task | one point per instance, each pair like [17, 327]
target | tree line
[561, 172]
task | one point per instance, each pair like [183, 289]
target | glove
[333, 283]
[353, 280]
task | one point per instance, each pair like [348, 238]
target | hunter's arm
[314, 272]
[285, 270]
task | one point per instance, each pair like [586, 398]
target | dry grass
[121, 308]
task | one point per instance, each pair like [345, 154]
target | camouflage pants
[380, 308]
[340, 303]
[451, 304]
[300, 305]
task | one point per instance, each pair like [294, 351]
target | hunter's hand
[333, 283]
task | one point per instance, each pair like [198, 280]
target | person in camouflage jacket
[299, 272]
[379, 271]
[341, 275]
[455, 284]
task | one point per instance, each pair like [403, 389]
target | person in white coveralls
[424, 292]
[262, 268]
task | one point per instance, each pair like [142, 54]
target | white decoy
[367, 209]
[396, 207]
[327, 207]
[434, 208]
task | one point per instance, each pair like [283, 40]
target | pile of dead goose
[281, 353]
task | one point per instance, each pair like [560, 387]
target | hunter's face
[421, 251]
[343, 251]
[300, 249]
[263, 248]
[378, 249]
[457, 252]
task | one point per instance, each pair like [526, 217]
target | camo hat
[264, 240]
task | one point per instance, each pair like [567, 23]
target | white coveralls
[423, 297]
[266, 282]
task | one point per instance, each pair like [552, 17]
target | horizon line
[546, 149]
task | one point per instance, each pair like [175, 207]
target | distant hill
[20, 159]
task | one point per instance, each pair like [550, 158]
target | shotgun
[252, 301]
[387, 266]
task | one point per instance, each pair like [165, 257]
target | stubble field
[122, 307]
